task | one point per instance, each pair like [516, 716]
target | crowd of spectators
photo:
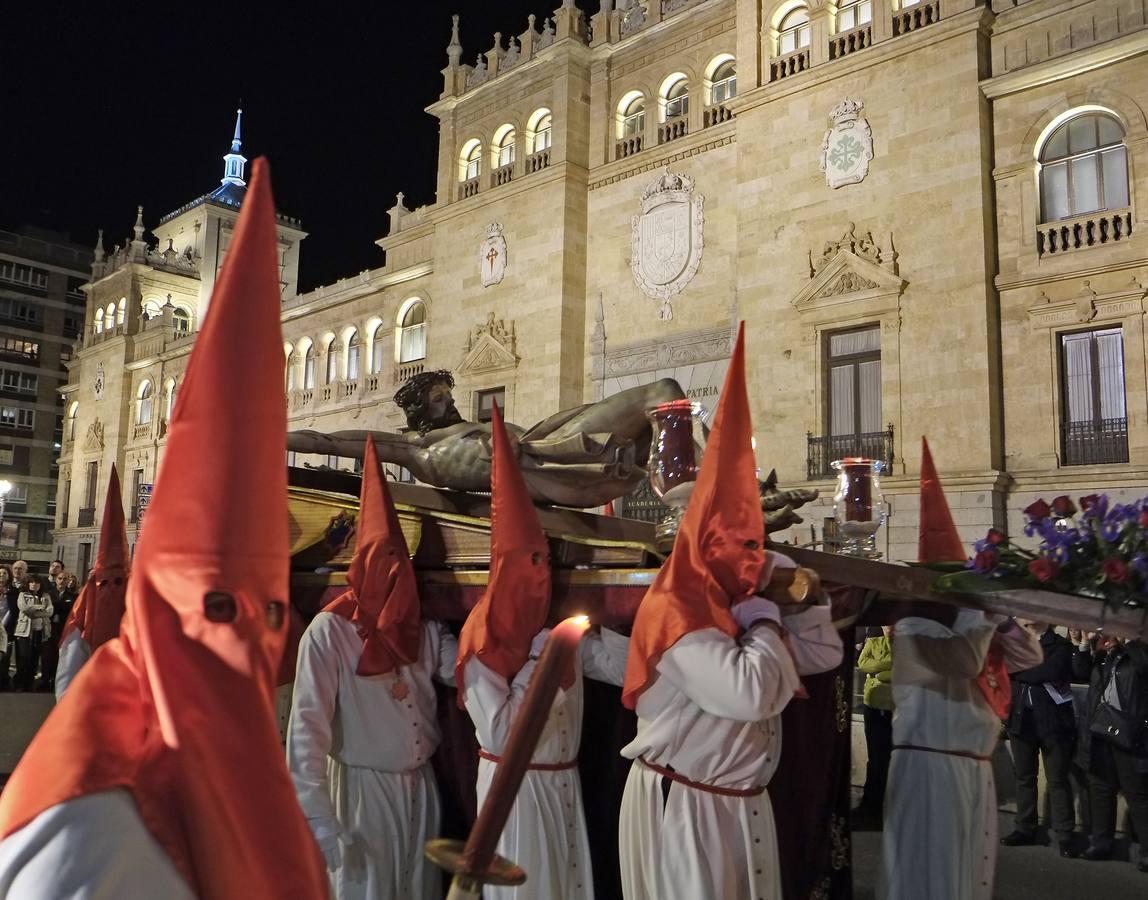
[33, 609]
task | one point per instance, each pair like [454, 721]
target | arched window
[677, 99]
[110, 317]
[504, 147]
[152, 308]
[309, 363]
[181, 320]
[470, 163]
[98, 321]
[73, 412]
[169, 401]
[353, 351]
[143, 414]
[541, 133]
[377, 351]
[413, 333]
[122, 311]
[1083, 168]
[291, 372]
[634, 117]
[332, 362]
[724, 82]
[853, 14]
[794, 31]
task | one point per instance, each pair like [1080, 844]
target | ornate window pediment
[489, 347]
[1088, 306]
[852, 278]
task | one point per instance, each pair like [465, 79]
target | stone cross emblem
[492, 255]
[847, 146]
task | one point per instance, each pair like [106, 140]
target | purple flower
[1110, 530]
[986, 561]
[1095, 506]
[1060, 554]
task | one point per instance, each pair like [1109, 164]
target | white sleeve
[492, 703]
[446, 652]
[957, 652]
[74, 652]
[813, 641]
[310, 728]
[747, 680]
[604, 656]
[1021, 648]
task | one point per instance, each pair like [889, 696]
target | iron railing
[823, 450]
[1094, 443]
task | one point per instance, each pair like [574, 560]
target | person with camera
[1114, 736]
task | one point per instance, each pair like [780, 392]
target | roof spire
[235, 162]
[454, 48]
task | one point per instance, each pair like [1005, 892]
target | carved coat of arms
[667, 238]
[492, 255]
[847, 146]
[98, 382]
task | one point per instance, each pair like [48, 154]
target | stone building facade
[41, 315]
[925, 212]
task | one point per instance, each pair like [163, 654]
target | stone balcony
[715, 115]
[790, 64]
[914, 17]
[672, 129]
[536, 162]
[1082, 232]
[142, 432]
[850, 41]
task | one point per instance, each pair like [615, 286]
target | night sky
[107, 106]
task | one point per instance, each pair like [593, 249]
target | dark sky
[109, 105]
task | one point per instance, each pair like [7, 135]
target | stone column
[751, 60]
[822, 23]
[882, 20]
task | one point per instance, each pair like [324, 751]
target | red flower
[1087, 503]
[1044, 569]
[1038, 511]
[1115, 570]
[1064, 507]
[995, 537]
[986, 561]
[1143, 520]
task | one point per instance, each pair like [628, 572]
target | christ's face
[440, 406]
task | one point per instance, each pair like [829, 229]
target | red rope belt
[698, 786]
[533, 767]
[963, 753]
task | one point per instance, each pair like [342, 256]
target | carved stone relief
[94, 439]
[492, 255]
[667, 239]
[489, 346]
[848, 145]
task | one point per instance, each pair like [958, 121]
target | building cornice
[664, 154]
[1076, 63]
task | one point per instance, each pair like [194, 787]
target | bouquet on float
[1099, 550]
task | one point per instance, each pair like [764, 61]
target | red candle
[556, 660]
[674, 439]
[859, 499]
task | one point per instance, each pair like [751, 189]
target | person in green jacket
[876, 661]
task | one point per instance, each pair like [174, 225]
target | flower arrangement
[1098, 550]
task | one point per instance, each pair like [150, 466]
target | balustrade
[628, 146]
[788, 65]
[468, 188]
[1105, 227]
[673, 129]
[850, 41]
[536, 162]
[917, 16]
[715, 115]
[503, 174]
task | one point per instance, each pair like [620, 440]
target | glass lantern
[675, 460]
[858, 505]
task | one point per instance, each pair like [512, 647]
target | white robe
[360, 759]
[91, 848]
[712, 715]
[940, 837]
[74, 652]
[546, 831]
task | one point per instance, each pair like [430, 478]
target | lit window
[169, 404]
[14, 417]
[678, 99]
[724, 82]
[143, 417]
[854, 389]
[21, 382]
[122, 311]
[794, 32]
[413, 333]
[506, 149]
[484, 403]
[1094, 424]
[1083, 168]
[181, 320]
[152, 308]
[99, 321]
[377, 351]
[110, 317]
[73, 412]
[291, 374]
[472, 163]
[309, 368]
[854, 15]
[634, 117]
[332, 363]
[542, 134]
[353, 357]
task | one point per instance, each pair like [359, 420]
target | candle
[859, 499]
[674, 444]
[477, 862]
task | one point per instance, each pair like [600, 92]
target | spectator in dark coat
[8, 623]
[1042, 724]
[1114, 737]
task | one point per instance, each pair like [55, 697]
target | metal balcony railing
[1094, 443]
[823, 450]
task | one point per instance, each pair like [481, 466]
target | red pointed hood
[383, 601]
[100, 607]
[937, 538]
[514, 607]
[719, 554]
[938, 541]
[180, 710]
